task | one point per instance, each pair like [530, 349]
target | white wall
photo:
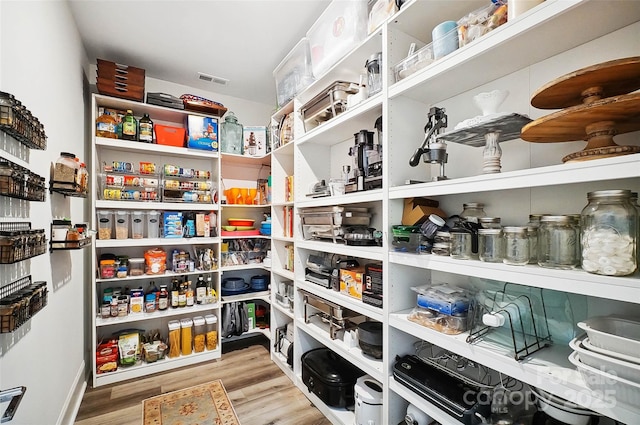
[41, 63]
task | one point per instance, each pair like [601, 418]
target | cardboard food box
[351, 282]
[251, 315]
[255, 140]
[172, 224]
[202, 133]
[417, 210]
[372, 285]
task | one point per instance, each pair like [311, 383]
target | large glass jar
[516, 246]
[609, 227]
[231, 135]
[557, 239]
[460, 244]
[490, 245]
[490, 222]
[472, 211]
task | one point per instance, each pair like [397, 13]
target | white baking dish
[614, 333]
[612, 389]
[626, 370]
[586, 343]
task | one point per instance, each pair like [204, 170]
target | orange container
[171, 136]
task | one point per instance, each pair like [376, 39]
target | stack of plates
[608, 359]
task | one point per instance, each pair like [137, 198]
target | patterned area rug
[206, 404]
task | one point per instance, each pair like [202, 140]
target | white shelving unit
[105, 150]
[550, 40]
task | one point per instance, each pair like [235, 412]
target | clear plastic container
[105, 224]
[199, 334]
[211, 323]
[186, 336]
[414, 62]
[153, 224]
[136, 266]
[137, 224]
[294, 73]
[174, 338]
[122, 224]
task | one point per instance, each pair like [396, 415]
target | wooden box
[119, 80]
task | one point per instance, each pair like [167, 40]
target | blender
[367, 158]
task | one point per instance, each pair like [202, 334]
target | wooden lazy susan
[599, 104]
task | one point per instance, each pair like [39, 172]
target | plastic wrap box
[255, 140]
[294, 73]
[202, 133]
[342, 25]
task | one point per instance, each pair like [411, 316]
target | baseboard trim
[72, 404]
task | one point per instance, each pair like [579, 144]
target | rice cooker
[416, 416]
[368, 397]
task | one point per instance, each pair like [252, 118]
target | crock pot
[368, 396]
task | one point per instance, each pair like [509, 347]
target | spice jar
[490, 245]
[460, 243]
[609, 233]
[516, 246]
[557, 238]
[211, 322]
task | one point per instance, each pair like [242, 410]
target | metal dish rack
[525, 320]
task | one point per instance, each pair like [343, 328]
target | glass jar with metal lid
[472, 211]
[557, 239]
[460, 244]
[516, 245]
[609, 233]
[490, 222]
[490, 245]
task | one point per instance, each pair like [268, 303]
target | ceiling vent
[211, 79]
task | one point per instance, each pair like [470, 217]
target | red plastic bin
[170, 136]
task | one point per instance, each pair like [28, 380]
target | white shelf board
[244, 267]
[282, 238]
[286, 149]
[374, 195]
[367, 252]
[167, 274]
[288, 274]
[548, 369]
[545, 31]
[238, 206]
[342, 299]
[282, 204]
[152, 148]
[287, 108]
[337, 416]
[170, 312]
[232, 158]
[145, 369]
[621, 167]
[573, 281]
[121, 243]
[346, 124]
[421, 403]
[261, 295]
[354, 355]
[250, 333]
[282, 309]
[173, 206]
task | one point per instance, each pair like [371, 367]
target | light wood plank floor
[260, 393]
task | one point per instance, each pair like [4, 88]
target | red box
[170, 136]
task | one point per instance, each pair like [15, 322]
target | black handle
[415, 159]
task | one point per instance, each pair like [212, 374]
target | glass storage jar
[472, 211]
[490, 222]
[557, 238]
[609, 227]
[490, 245]
[231, 140]
[516, 246]
[460, 244]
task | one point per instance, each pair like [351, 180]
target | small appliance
[368, 398]
[433, 152]
[367, 167]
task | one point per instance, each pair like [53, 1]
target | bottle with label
[175, 293]
[106, 126]
[211, 291]
[201, 290]
[189, 294]
[163, 298]
[129, 126]
[145, 133]
[182, 295]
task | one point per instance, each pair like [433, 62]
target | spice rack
[17, 121]
[19, 242]
[18, 182]
[19, 301]
[72, 189]
[75, 240]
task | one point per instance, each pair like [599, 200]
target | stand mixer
[367, 158]
[433, 152]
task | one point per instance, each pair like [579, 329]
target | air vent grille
[212, 79]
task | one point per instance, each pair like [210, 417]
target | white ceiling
[240, 40]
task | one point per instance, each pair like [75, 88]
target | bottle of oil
[106, 126]
[145, 129]
[129, 126]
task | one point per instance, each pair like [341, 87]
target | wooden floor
[259, 391]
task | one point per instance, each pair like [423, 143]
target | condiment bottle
[106, 126]
[182, 294]
[175, 293]
[145, 133]
[201, 290]
[189, 295]
[163, 298]
[129, 126]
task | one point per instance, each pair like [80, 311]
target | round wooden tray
[607, 79]
[595, 122]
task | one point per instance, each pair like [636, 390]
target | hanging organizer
[19, 301]
[19, 242]
[18, 182]
[18, 122]
[511, 319]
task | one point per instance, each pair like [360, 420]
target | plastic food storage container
[294, 73]
[199, 334]
[211, 323]
[342, 25]
[414, 62]
[122, 224]
[186, 336]
[137, 224]
[153, 224]
[105, 224]
[136, 266]
[107, 269]
[174, 338]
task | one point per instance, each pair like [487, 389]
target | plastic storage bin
[122, 224]
[294, 73]
[137, 224]
[199, 334]
[211, 323]
[105, 224]
[170, 136]
[342, 25]
[153, 224]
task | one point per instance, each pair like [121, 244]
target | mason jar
[490, 245]
[490, 222]
[516, 245]
[472, 211]
[460, 244]
[557, 239]
[609, 227]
